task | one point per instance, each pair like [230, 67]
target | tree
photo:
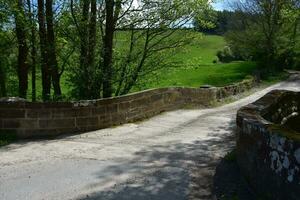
[46, 76]
[92, 34]
[86, 77]
[151, 26]
[51, 50]
[33, 49]
[112, 9]
[49, 64]
[88, 40]
[84, 39]
[267, 31]
[2, 82]
[220, 22]
[19, 15]
[4, 43]
[86, 91]
[156, 28]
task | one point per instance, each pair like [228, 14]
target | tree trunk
[127, 62]
[33, 52]
[84, 34]
[108, 48]
[22, 50]
[52, 61]
[46, 77]
[96, 87]
[2, 82]
[135, 74]
[92, 33]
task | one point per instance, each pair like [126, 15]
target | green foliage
[150, 49]
[190, 66]
[269, 36]
[82, 82]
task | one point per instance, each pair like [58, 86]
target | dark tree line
[222, 22]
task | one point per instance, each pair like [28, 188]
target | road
[161, 158]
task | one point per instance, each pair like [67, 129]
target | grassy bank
[216, 75]
[198, 67]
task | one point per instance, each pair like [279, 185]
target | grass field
[215, 75]
[198, 68]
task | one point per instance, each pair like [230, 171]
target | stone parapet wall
[268, 145]
[237, 88]
[34, 120]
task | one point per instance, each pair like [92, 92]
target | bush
[226, 55]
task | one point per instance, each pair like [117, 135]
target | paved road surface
[162, 158]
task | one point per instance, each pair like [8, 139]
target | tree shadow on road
[166, 172]
[229, 183]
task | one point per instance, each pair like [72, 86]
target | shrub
[226, 55]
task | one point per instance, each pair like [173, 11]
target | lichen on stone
[276, 164]
[84, 103]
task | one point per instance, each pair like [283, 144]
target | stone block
[113, 108]
[125, 106]
[56, 123]
[58, 105]
[6, 105]
[34, 105]
[29, 123]
[87, 121]
[83, 111]
[12, 113]
[156, 97]
[64, 113]
[11, 123]
[39, 113]
[99, 110]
